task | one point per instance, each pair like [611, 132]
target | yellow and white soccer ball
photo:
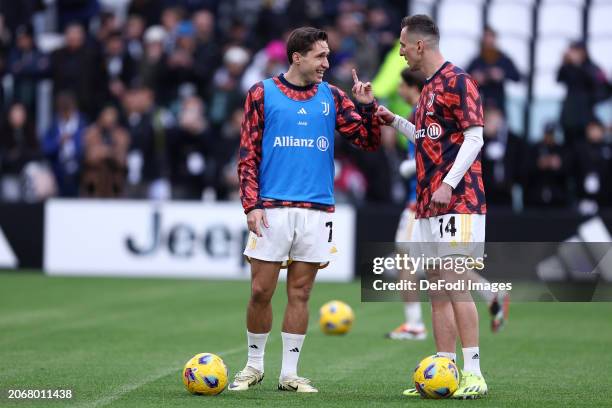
[205, 374]
[436, 377]
[336, 317]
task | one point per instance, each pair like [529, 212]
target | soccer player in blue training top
[286, 172]
[450, 211]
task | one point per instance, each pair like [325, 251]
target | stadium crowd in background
[147, 97]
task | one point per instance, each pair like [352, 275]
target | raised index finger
[355, 79]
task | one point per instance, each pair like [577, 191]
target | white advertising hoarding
[164, 239]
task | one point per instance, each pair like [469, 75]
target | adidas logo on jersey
[295, 350]
[302, 111]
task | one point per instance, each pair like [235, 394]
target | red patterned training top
[449, 104]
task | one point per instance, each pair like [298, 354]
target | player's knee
[261, 294]
[299, 293]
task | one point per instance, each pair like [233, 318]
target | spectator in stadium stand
[149, 10]
[147, 168]
[381, 27]
[152, 70]
[207, 54]
[188, 145]
[548, 167]
[77, 68]
[18, 13]
[76, 11]
[268, 62]
[491, 69]
[171, 18]
[5, 43]
[594, 169]
[109, 25]
[27, 65]
[63, 144]
[586, 85]
[226, 93]
[18, 146]
[225, 153]
[500, 157]
[105, 156]
[118, 68]
[134, 32]
[355, 45]
[180, 73]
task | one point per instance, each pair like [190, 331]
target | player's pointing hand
[362, 92]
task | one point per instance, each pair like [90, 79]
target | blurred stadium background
[118, 148]
[142, 100]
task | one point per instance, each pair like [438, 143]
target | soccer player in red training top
[286, 172]
[448, 134]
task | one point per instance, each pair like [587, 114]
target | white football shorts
[294, 234]
[449, 234]
[405, 226]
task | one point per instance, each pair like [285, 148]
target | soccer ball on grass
[205, 374]
[336, 317]
[436, 377]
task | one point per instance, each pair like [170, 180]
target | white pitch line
[127, 388]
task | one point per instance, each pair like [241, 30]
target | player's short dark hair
[413, 78]
[302, 39]
[421, 24]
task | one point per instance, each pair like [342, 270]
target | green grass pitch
[123, 342]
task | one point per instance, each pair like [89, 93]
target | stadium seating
[421, 7]
[459, 49]
[600, 50]
[469, 24]
[599, 23]
[560, 19]
[549, 52]
[511, 18]
[518, 49]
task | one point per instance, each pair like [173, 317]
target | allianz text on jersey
[320, 143]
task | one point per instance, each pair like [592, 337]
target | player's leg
[442, 315]
[265, 254]
[312, 247]
[443, 324]
[264, 276]
[498, 302]
[442, 318]
[300, 278]
[468, 241]
[413, 327]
